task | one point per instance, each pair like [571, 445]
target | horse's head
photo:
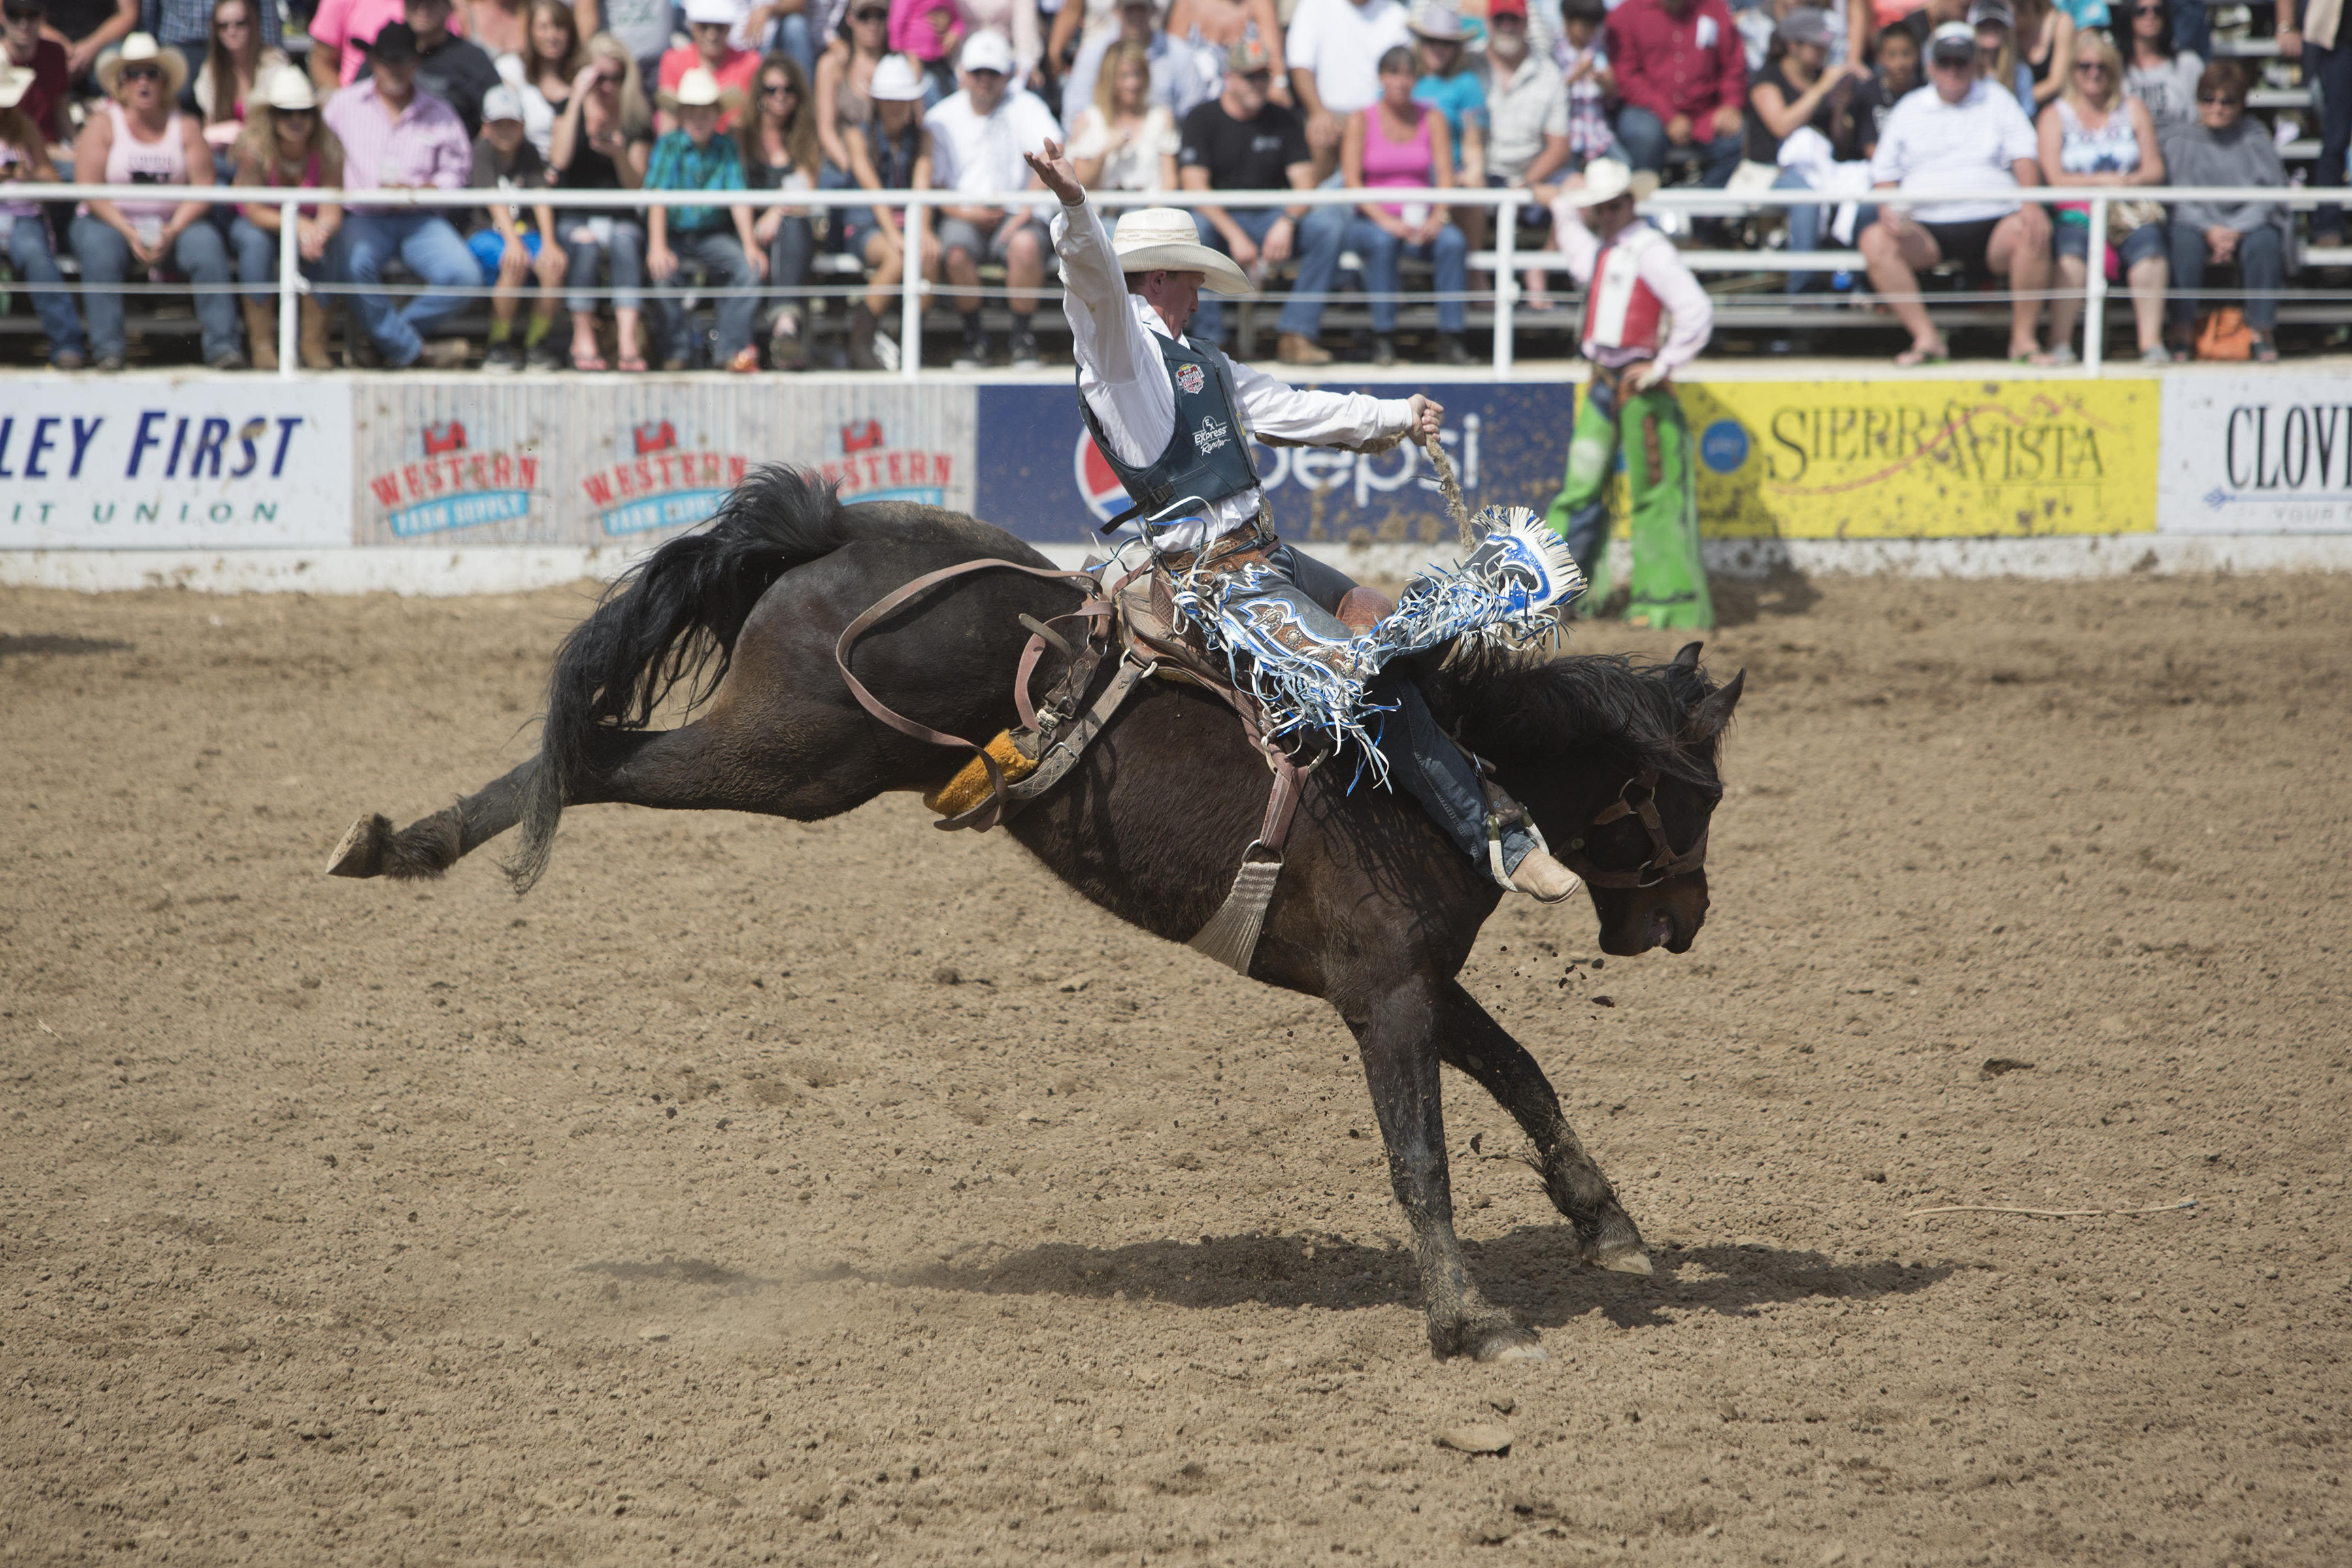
[1616, 760]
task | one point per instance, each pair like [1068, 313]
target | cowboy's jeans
[1422, 760]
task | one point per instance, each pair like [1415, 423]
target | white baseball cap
[987, 50]
[713, 12]
[501, 102]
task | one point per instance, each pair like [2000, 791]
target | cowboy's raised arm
[1105, 336]
[1295, 417]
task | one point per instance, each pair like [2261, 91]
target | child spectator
[510, 250]
[694, 157]
[1583, 58]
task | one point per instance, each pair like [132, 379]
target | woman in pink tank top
[140, 139]
[1400, 144]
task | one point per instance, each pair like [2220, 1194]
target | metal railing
[1504, 256]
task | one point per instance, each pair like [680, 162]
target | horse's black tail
[671, 618]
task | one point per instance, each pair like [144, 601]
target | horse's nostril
[1662, 928]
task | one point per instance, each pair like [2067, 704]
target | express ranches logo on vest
[454, 486]
[659, 485]
[870, 469]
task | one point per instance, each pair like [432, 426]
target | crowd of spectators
[1850, 99]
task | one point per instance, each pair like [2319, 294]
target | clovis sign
[139, 464]
[2256, 454]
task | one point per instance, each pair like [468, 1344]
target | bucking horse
[1374, 912]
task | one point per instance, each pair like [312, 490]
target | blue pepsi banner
[1041, 477]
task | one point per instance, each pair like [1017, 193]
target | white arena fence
[1505, 259]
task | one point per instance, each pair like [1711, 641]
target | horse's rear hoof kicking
[1375, 910]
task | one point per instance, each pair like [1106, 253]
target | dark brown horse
[1375, 911]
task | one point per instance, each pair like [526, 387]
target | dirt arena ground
[851, 1194]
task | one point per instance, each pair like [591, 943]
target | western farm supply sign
[223, 463]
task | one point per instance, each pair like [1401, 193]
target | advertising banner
[1043, 480]
[625, 461]
[1941, 459]
[2256, 454]
[242, 463]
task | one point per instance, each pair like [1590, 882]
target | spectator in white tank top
[139, 139]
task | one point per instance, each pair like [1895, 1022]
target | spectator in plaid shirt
[694, 157]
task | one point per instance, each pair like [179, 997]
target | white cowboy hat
[697, 88]
[1606, 180]
[895, 81]
[290, 90]
[1439, 25]
[142, 49]
[15, 81]
[1152, 239]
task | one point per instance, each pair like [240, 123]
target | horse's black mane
[1514, 705]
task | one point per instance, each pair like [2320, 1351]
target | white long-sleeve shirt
[1125, 381]
[1690, 313]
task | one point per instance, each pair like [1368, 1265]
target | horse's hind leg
[1401, 1065]
[431, 845]
[1474, 1043]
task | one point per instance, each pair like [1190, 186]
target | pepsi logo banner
[1042, 478]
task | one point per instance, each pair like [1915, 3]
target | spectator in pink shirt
[710, 23]
[396, 138]
[1682, 72]
[340, 32]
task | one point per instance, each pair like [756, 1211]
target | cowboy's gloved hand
[1645, 375]
[1057, 172]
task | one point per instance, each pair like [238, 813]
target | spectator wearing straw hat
[710, 23]
[285, 143]
[695, 157]
[24, 156]
[396, 138]
[1242, 141]
[139, 138]
[978, 137]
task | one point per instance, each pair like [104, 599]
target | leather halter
[1663, 861]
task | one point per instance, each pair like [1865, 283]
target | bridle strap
[1662, 863]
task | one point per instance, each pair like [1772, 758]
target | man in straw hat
[1644, 317]
[1174, 418]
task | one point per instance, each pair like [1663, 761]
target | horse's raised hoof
[361, 853]
[1633, 1259]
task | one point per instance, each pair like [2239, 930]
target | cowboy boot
[314, 336]
[261, 329]
[1544, 878]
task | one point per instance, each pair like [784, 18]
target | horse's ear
[1688, 657]
[1707, 720]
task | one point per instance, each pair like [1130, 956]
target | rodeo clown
[1174, 418]
[1644, 316]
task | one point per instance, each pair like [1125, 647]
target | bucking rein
[1020, 764]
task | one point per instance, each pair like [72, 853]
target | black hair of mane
[1511, 705]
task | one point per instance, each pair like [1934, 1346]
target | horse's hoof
[1624, 1260]
[1515, 1353]
[361, 853]
[1507, 1341]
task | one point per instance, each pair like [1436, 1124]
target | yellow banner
[1820, 460]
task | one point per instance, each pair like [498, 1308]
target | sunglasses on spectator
[23, 13]
[142, 73]
[611, 78]
[225, 23]
[776, 90]
[2091, 67]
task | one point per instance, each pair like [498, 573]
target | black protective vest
[1207, 457]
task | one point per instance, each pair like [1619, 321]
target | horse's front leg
[1398, 1041]
[1474, 1043]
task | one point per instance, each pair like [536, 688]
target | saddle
[1132, 622]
